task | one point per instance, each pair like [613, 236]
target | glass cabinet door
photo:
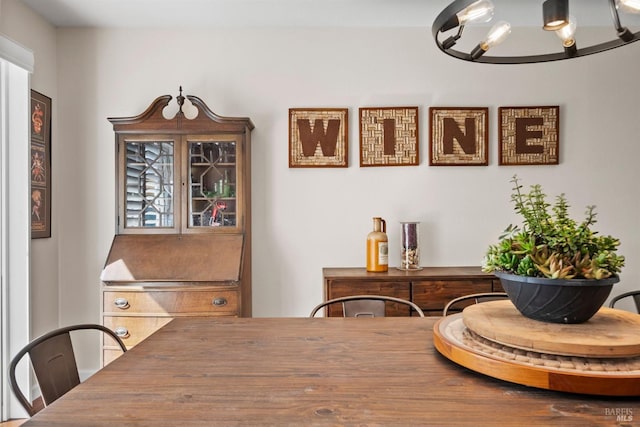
[212, 183]
[148, 192]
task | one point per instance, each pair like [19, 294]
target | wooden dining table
[311, 372]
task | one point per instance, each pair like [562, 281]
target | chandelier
[555, 17]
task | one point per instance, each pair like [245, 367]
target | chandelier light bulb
[480, 11]
[567, 33]
[496, 35]
[632, 6]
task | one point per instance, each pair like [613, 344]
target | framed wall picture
[529, 135]
[389, 136]
[318, 137]
[458, 136]
[40, 165]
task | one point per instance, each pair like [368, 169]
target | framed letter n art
[40, 165]
[458, 136]
[318, 137]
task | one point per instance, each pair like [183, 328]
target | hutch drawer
[110, 354]
[204, 302]
[132, 330]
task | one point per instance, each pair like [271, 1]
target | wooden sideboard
[430, 288]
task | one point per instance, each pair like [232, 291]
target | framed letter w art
[318, 137]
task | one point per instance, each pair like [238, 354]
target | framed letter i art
[389, 136]
[318, 137]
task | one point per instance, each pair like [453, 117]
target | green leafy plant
[551, 244]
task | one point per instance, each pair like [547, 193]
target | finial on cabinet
[180, 100]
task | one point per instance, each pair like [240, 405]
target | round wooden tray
[618, 376]
[610, 333]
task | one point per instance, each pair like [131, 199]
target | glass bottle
[410, 255]
[377, 247]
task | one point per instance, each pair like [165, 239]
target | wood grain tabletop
[311, 372]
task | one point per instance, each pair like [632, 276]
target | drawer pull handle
[122, 332]
[121, 303]
[220, 302]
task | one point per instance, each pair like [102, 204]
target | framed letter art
[389, 136]
[40, 165]
[458, 136]
[318, 137]
[529, 135]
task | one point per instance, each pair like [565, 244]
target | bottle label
[383, 253]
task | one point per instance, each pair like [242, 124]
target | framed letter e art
[318, 137]
[40, 165]
[529, 135]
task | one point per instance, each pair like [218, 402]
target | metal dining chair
[634, 295]
[365, 305]
[457, 304]
[54, 364]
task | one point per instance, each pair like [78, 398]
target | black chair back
[54, 364]
[634, 295]
[458, 304]
[366, 305]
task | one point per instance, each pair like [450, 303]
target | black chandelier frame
[447, 20]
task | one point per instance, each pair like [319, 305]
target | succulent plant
[550, 243]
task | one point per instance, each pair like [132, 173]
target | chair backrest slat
[54, 365]
[369, 305]
[364, 308]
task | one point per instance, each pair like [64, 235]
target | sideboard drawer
[202, 302]
[132, 330]
[435, 294]
[343, 288]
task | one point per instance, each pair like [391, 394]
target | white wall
[306, 219]
[21, 24]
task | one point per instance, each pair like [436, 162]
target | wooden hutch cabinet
[430, 288]
[183, 232]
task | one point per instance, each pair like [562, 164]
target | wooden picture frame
[458, 136]
[40, 125]
[313, 147]
[389, 136]
[529, 135]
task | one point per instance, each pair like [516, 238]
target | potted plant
[554, 268]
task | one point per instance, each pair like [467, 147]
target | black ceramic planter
[556, 300]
